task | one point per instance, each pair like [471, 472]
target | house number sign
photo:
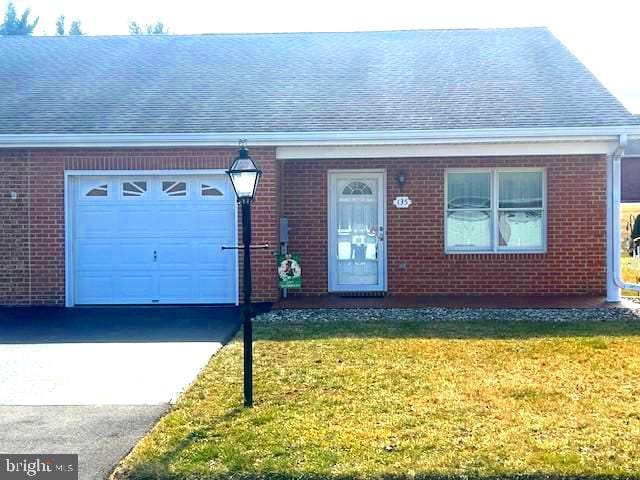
[402, 202]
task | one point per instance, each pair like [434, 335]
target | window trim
[495, 248]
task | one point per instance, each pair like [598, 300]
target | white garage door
[153, 240]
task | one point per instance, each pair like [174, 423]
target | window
[207, 190]
[174, 189]
[357, 188]
[99, 191]
[134, 189]
[495, 210]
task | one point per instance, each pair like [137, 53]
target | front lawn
[372, 400]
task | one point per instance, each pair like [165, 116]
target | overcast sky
[605, 35]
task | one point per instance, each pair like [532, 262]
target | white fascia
[391, 137]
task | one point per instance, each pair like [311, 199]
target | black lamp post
[245, 175]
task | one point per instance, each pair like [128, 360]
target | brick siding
[32, 226]
[575, 262]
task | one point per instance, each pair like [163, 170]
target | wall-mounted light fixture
[401, 178]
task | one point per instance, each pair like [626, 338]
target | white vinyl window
[499, 210]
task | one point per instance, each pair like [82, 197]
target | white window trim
[495, 248]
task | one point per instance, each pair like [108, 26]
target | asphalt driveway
[92, 381]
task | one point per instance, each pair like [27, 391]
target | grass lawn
[630, 270]
[630, 273]
[374, 400]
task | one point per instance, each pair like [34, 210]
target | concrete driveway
[92, 381]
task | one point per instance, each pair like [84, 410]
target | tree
[157, 28]
[134, 28]
[17, 26]
[75, 28]
[60, 25]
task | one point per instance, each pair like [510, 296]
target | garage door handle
[155, 255]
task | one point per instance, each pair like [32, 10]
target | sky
[605, 35]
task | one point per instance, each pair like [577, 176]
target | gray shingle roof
[302, 82]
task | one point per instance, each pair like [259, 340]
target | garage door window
[207, 190]
[134, 189]
[101, 190]
[174, 188]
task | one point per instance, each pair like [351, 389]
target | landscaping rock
[450, 314]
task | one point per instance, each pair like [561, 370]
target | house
[630, 188]
[469, 162]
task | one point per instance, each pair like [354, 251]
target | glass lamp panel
[520, 189]
[243, 164]
[244, 183]
[469, 229]
[468, 190]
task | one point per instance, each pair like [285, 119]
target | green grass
[630, 273]
[411, 399]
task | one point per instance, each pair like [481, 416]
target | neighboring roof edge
[509, 135]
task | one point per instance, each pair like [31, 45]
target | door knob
[381, 235]
[155, 255]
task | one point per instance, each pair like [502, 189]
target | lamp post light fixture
[244, 176]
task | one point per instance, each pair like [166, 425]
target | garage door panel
[136, 222]
[115, 237]
[214, 223]
[94, 287]
[93, 254]
[135, 287]
[133, 254]
[174, 222]
[176, 287]
[214, 285]
[209, 254]
[176, 254]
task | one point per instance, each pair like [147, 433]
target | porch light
[244, 174]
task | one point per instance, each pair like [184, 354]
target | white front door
[153, 239]
[357, 231]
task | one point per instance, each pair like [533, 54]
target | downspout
[614, 276]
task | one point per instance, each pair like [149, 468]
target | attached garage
[150, 238]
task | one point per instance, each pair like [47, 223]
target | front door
[357, 231]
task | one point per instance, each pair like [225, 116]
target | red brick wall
[32, 227]
[15, 279]
[576, 211]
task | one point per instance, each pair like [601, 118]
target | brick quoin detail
[575, 262]
[32, 227]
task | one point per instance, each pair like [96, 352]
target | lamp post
[244, 176]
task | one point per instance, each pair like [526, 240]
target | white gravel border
[450, 314]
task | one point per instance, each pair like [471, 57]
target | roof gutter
[390, 137]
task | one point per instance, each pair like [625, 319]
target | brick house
[412, 162]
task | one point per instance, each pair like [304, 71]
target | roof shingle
[298, 82]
